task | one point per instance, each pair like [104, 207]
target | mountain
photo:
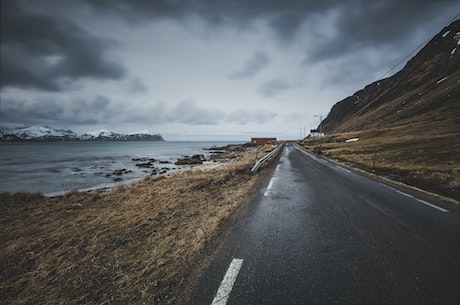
[405, 127]
[425, 91]
[41, 133]
[104, 135]
[37, 133]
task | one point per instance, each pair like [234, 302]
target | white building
[314, 133]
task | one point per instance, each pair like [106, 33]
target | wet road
[320, 234]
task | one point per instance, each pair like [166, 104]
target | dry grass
[133, 245]
[429, 161]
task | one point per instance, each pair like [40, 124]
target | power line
[418, 48]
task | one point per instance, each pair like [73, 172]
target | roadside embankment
[136, 244]
[430, 163]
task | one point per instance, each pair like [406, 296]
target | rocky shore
[153, 167]
[135, 244]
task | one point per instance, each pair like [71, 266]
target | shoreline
[83, 168]
[106, 187]
[133, 244]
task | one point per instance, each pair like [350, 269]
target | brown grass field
[136, 244]
[429, 161]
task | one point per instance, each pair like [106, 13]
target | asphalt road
[321, 234]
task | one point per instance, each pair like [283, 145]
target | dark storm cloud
[49, 111]
[285, 17]
[255, 64]
[359, 22]
[376, 24]
[20, 111]
[48, 52]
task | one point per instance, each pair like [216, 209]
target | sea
[53, 168]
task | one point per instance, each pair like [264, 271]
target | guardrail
[265, 158]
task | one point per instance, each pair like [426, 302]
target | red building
[262, 141]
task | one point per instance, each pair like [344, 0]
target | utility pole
[320, 130]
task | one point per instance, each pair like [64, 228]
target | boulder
[193, 160]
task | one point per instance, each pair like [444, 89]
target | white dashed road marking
[269, 187]
[227, 283]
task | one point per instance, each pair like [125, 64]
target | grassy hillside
[409, 124]
[426, 89]
[427, 161]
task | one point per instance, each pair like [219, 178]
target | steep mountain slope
[425, 91]
[405, 127]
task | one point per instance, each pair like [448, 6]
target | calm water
[62, 166]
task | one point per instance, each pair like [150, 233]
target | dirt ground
[133, 245]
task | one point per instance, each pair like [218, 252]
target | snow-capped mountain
[105, 135]
[37, 133]
[99, 134]
[42, 133]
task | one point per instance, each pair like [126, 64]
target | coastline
[57, 167]
[136, 243]
[106, 187]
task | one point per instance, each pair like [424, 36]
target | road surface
[321, 234]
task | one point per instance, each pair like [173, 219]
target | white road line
[269, 187]
[432, 205]
[227, 283]
[402, 193]
[278, 167]
[419, 200]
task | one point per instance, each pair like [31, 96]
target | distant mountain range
[46, 134]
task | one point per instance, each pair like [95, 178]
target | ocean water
[54, 167]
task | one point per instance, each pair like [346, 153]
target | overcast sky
[200, 69]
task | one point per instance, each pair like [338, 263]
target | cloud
[49, 52]
[273, 87]
[52, 111]
[23, 112]
[245, 116]
[366, 20]
[285, 17]
[97, 109]
[354, 24]
[57, 56]
[41, 49]
[137, 86]
[187, 112]
[361, 25]
[101, 109]
[253, 66]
